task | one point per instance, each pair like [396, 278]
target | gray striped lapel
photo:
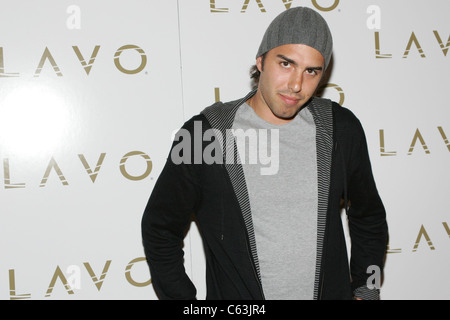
[321, 110]
[221, 117]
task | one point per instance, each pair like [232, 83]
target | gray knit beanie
[299, 25]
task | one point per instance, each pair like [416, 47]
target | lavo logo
[47, 58]
[91, 171]
[417, 137]
[73, 279]
[413, 40]
[374, 23]
[287, 5]
[423, 234]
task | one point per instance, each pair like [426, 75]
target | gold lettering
[128, 47]
[53, 165]
[389, 250]
[446, 228]
[246, 3]
[443, 47]
[98, 282]
[418, 135]
[92, 174]
[58, 274]
[7, 177]
[128, 273]
[213, 9]
[217, 94]
[383, 151]
[131, 154]
[444, 137]
[287, 4]
[3, 74]
[87, 66]
[47, 56]
[12, 288]
[413, 39]
[378, 54]
[423, 233]
[319, 7]
[336, 87]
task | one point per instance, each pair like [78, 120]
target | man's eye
[311, 72]
[285, 64]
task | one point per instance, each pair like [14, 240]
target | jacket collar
[221, 115]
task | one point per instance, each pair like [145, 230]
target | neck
[262, 110]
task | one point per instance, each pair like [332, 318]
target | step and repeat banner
[91, 93]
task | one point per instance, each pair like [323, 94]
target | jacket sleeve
[166, 218]
[367, 222]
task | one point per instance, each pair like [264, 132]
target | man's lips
[290, 100]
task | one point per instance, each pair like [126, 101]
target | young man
[271, 234]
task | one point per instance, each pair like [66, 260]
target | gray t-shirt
[282, 186]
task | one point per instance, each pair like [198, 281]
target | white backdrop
[91, 92]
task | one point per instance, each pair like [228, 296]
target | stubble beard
[276, 107]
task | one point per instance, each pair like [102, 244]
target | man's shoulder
[343, 114]
[221, 108]
[346, 121]
[343, 118]
[226, 109]
[217, 112]
[220, 105]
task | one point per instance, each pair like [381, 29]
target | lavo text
[73, 279]
[412, 42]
[86, 63]
[417, 137]
[92, 171]
[218, 6]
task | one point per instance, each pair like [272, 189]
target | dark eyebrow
[287, 59]
[295, 63]
[315, 68]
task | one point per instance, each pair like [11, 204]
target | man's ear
[259, 63]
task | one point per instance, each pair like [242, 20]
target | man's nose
[296, 82]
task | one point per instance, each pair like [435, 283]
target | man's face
[290, 75]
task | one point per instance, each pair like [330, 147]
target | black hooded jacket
[216, 194]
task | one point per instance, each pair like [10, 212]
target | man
[273, 234]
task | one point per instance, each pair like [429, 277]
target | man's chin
[287, 115]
